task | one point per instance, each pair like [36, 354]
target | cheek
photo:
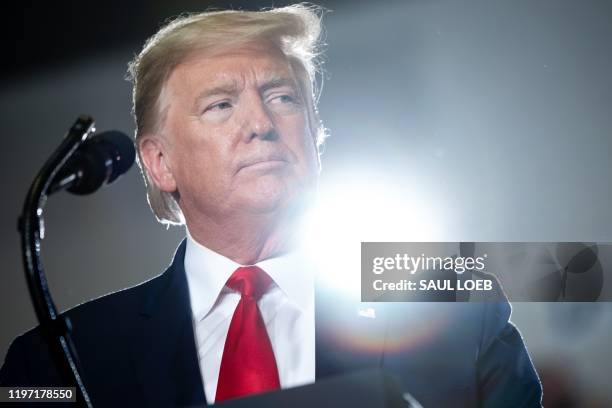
[203, 162]
[299, 140]
[307, 151]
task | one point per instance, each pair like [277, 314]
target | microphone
[97, 162]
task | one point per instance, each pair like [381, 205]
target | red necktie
[248, 365]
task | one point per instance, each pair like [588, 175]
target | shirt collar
[293, 273]
[207, 271]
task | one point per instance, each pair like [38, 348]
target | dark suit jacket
[137, 348]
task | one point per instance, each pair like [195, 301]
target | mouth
[264, 163]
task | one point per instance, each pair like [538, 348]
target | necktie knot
[250, 281]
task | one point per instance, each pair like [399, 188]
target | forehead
[255, 62]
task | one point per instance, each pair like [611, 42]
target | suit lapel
[349, 335]
[164, 351]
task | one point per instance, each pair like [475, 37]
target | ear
[154, 154]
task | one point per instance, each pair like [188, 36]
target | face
[236, 136]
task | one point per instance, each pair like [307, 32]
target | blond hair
[294, 29]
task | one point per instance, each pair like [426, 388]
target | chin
[264, 197]
[271, 197]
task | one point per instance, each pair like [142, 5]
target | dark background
[476, 120]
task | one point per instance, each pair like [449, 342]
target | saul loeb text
[434, 285]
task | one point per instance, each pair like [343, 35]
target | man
[228, 138]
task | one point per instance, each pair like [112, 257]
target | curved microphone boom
[98, 161]
[82, 163]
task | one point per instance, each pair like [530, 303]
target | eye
[284, 100]
[219, 106]
[218, 111]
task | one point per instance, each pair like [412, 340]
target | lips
[270, 160]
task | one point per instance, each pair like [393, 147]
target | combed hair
[295, 30]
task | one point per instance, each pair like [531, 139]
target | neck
[245, 239]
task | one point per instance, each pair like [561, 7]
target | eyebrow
[277, 82]
[231, 88]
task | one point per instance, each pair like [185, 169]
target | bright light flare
[363, 206]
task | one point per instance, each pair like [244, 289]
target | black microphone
[98, 161]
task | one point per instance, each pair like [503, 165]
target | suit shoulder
[124, 299]
[103, 311]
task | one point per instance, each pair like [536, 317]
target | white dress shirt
[287, 309]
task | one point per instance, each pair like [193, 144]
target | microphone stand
[55, 328]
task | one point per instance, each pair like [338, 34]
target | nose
[259, 123]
